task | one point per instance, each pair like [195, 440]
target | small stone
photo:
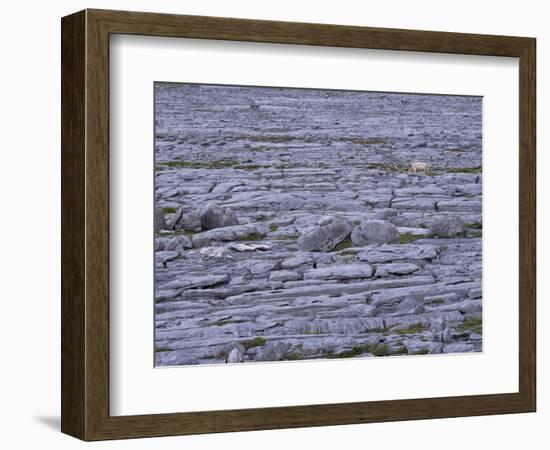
[374, 232]
[475, 293]
[383, 270]
[234, 357]
[448, 226]
[178, 243]
[159, 220]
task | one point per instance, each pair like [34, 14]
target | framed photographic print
[272, 225]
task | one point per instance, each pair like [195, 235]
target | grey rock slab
[165, 256]
[299, 259]
[459, 205]
[166, 295]
[198, 281]
[374, 232]
[329, 233]
[284, 275]
[414, 205]
[420, 291]
[465, 307]
[340, 272]
[386, 253]
[384, 270]
[225, 187]
[256, 267]
[383, 285]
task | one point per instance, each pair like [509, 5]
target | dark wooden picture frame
[85, 224]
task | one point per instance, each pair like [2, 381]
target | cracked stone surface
[271, 272]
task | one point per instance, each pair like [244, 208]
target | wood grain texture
[85, 224]
[73, 108]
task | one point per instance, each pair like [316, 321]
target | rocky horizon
[290, 226]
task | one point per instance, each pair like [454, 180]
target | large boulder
[214, 215]
[374, 232]
[448, 226]
[159, 219]
[328, 234]
[184, 219]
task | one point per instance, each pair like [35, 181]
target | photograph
[296, 224]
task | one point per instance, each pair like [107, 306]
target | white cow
[419, 167]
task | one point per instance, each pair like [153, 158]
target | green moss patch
[162, 349]
[473, 325]
[256, 342]
[377, 349]
[346, 243]
[405, 238]
[476, 169]
[401, 350]
[251, 237]
[412, 329]
[421, 351]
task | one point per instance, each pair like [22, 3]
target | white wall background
[30, 225]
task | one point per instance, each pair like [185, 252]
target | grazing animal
[419, 167]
